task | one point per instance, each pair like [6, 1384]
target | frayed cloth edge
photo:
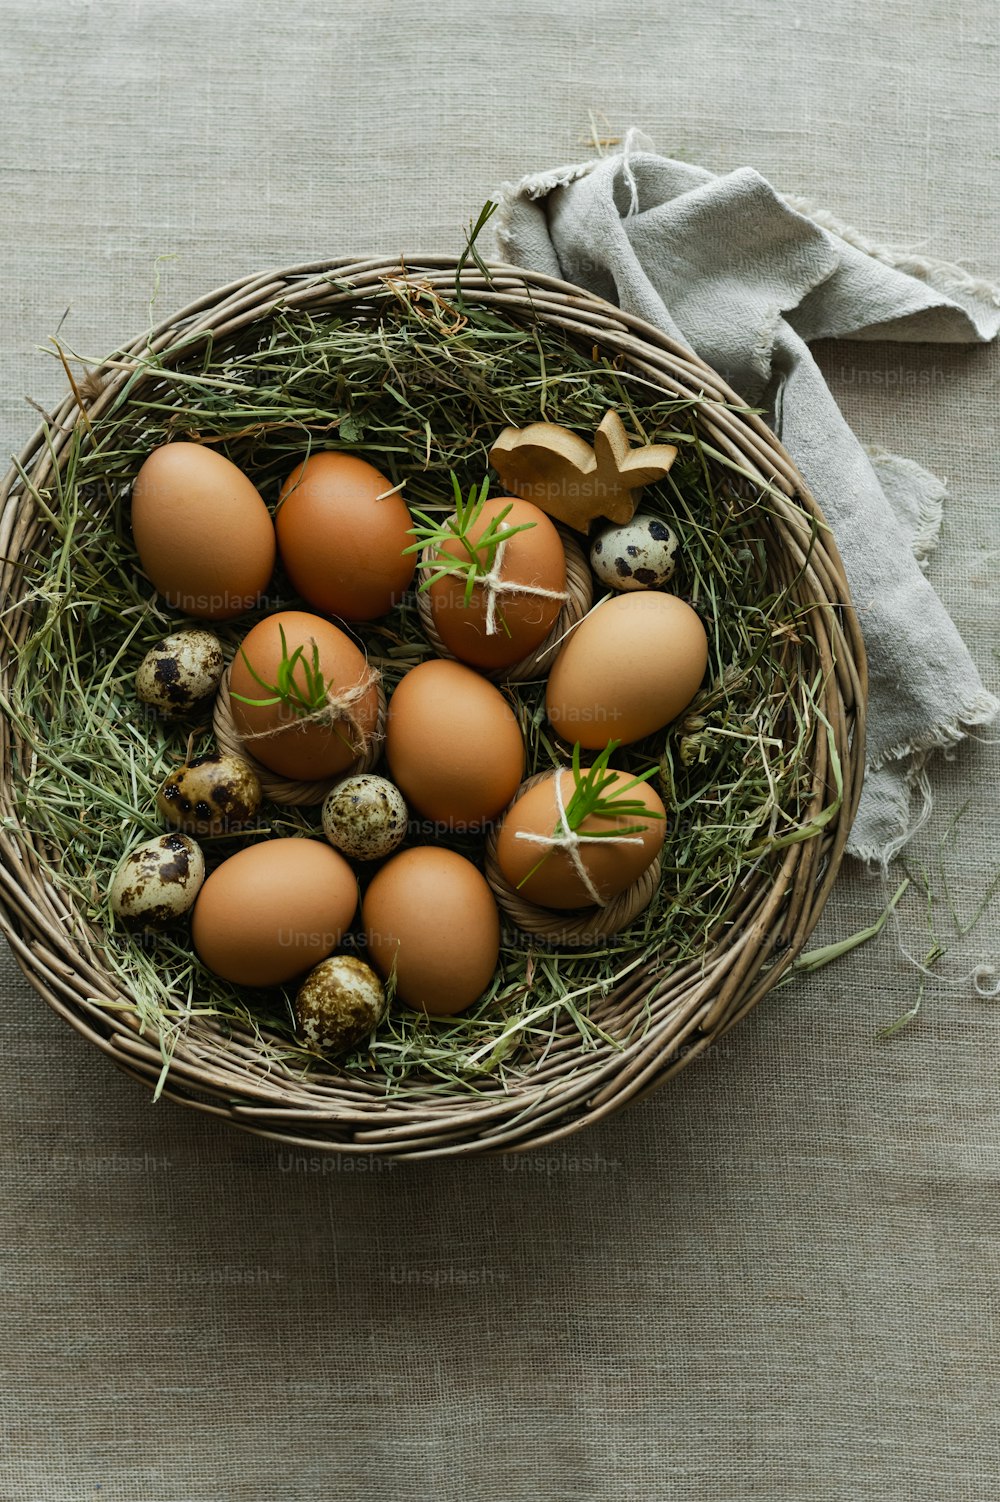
[930, 512]
[981, 710]
[929, 518]
[532, 187]
[883, 855]
[536, 184]
[945, 276]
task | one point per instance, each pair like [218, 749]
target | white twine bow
[570, 840]
[494, 585]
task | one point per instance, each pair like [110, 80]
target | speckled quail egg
[181, 673]
[339, 1003]
[642, 554]
[210, 794]
[365, 817]
[158, 881]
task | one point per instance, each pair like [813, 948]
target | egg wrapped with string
[494, 573]
[304, 700]
[579, 837]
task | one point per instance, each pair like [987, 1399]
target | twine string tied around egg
[494, 585]
[338, 707]
[568, 839]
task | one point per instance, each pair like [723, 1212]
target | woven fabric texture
[776, 1279]
[725, 265]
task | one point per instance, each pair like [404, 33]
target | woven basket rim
[690, 1008]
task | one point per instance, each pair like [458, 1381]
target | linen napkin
[747, 277]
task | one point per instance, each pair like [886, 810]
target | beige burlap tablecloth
[777, 1278]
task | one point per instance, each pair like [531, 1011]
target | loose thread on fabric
[634, 139]
[570, 840]
[984, 977]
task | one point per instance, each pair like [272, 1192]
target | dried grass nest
[417, 367]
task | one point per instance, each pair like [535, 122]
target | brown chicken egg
[453, 744]
[533, 560]
[628, 669]
[290, 737]
[342, 538]
[202, 532]
[273, 911]
[547, 874]
[430, 918]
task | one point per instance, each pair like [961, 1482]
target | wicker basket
[221, 1071]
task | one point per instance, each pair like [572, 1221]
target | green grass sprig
[480, 555]
[591, 799]
[305, 698]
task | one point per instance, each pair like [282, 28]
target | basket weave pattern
[683, 1009]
